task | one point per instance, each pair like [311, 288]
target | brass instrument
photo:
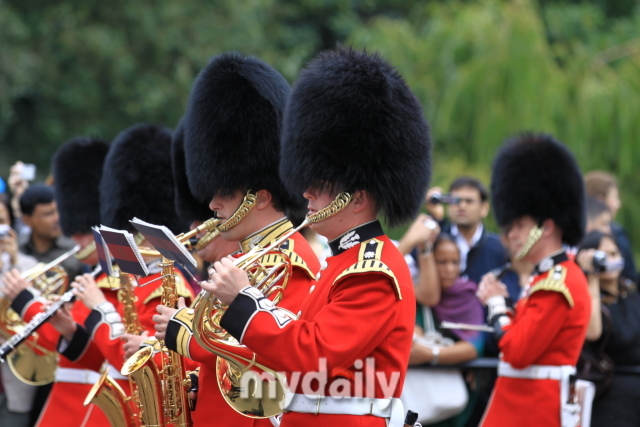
[30, 362]
[120, 409]
[265, 398]
[163, 392]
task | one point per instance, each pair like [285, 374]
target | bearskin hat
[535, 175]
[352, 123]
[232, 130]
[77, 170]
[188, 208]
[138, 180]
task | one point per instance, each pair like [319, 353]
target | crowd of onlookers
[450, 251]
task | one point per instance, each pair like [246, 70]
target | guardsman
[137, 182]
[232, 152]
[538, 200]
[356, 143]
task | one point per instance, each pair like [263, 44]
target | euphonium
[30, 362]
[258, 397]
[162, 391]
[120, 409]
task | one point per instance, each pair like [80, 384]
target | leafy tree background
[483, 70]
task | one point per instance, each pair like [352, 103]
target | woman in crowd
[619, 405]
[457, 302]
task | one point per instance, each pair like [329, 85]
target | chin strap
[247, 204]
[534, 235]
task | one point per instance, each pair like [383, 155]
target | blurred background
[483, 70]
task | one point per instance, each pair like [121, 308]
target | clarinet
[37, 321]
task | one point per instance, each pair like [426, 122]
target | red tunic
[361, 309]
[549, 328]
[211, 405]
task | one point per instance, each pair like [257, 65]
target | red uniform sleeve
[334, 333]
[529, 336]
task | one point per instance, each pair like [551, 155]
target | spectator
[457, 303]
[599, 216]
[45, 242]
[618, 407]
[17, 186]
[604, 187]
[480, 251]
[17, 400]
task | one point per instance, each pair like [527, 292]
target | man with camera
[467, 206]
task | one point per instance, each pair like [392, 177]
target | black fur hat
[535, 175]
[189, 209]
[353, 123]
[77, 170]
[232, 129]
[138, 180]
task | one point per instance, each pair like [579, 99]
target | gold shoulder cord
[247, 204]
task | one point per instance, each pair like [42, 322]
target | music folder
[163, 240]
[123, 249]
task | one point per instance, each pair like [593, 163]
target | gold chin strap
[86, 252]
[247, 204]
[534, 235]
[339, 203]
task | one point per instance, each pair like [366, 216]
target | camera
[4, 231]
[601, 264]
[446, 199]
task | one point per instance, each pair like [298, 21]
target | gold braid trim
[247, 204]
[369, 262]
[554, 282]
[86, 252]
[339, 203]
[534, 235]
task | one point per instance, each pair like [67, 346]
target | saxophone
[163, 392]
[120, 409]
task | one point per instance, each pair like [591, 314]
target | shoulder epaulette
[181, 290]
[108, 282]
[369, 262]
[296, 260]
[554, 282]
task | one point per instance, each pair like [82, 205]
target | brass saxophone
[163, 392]
[120, 409]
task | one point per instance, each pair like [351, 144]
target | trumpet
[234, 359]
[32, 363]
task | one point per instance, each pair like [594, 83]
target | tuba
[162, 390]
[30, 362]
[235, 361]
[120, 409]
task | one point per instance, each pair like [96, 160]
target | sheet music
[163, 240]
